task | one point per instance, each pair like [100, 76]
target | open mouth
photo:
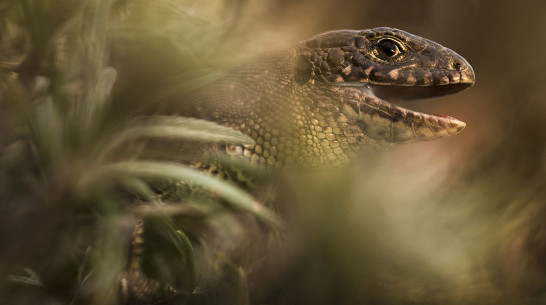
[374, 108]
[398, 93]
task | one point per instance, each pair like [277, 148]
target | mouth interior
[394, 94]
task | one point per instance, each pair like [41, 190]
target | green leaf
[196, 129]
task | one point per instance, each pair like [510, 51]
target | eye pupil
[389, 48]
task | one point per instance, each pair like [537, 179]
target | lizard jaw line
[386, 121]
[397, 92]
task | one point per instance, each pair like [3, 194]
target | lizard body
[322, 101]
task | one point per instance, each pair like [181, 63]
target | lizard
[317, 104]
[320, 102]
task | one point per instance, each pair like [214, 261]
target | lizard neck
[291, 122]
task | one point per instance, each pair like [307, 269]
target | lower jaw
[382, 120]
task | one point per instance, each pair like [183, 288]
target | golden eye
[389, 48]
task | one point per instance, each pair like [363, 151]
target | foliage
[73, 181]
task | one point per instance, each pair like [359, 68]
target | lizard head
[369, 70]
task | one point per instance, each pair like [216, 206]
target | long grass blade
[150, 170]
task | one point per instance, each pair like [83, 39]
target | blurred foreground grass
[79, 86]
[74, 181]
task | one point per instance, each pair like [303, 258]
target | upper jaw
[450, 68]
[410, 83]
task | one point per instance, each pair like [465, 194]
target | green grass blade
[174, 171]
[171, 127]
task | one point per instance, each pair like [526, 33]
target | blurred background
[454, 221]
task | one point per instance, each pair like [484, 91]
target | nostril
[457, 66]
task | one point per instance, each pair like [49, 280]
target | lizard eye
[389, 48]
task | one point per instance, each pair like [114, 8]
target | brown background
[454, 221]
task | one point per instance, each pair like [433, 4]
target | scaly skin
[322, 101]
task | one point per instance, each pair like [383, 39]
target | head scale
[384, 56]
